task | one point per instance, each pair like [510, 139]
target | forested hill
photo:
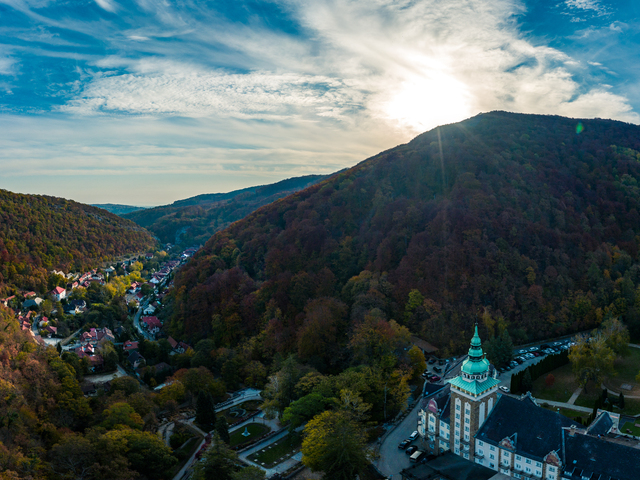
[528, 222]
[39, 233]
[194, 220]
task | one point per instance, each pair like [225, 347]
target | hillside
[39, 233]
[192, 221]
[117, 208]
[526, 222]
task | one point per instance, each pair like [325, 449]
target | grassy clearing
[277, 452]
[627, 368]
[631, 428]
[255, 430]
[562, 388]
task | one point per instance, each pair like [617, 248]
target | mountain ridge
[502, 213]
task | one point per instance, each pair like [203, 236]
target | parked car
[404, 444]
[436, 369]
[434, 378]
[416, 456]
[504, 389]
[410, 450]
[414, 435]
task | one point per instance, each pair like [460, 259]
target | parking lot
[523, 357]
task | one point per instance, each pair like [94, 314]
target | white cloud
[167, 88]
[108, 5]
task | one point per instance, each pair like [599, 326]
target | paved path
[243, 396]
[564, 405]
[575, 395]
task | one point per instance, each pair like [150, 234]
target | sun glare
[426, 101]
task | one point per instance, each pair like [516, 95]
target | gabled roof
[601, 425]
[586, 455]
[58, 290]
[539, 430]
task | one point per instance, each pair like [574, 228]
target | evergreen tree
[205, 410]
[621, 401]
[223, 429]
[527, 383]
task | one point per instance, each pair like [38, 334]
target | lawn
[562, 388]
[627, 369]
[631, 428]
[255, 430]
[277, 452]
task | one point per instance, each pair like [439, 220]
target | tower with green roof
[473, 395]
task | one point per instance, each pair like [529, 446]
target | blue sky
[147, 101]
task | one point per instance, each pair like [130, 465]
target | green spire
[475, 351]
[476, 364]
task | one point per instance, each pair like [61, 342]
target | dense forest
[529, 223]
[194, 220]
[39, 233]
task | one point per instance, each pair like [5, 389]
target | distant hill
[524, 222]
[194, 220]
[118, 209]
[40, 233]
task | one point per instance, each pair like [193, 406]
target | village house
[153, 324]
[58, 294]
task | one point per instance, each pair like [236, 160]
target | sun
[425, 100]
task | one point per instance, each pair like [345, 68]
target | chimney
[572, 431]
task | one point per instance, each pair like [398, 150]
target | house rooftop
[448, 467]
[539, 431]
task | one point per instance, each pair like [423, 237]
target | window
[457, 424]
[458, 407]
[457, 415]
[480, 444]
[492, 456]
[528, 461]
[493, 449]
[538, 473]
[518, 457]
[538, 464]
[528, 470]
[466, 429]
[552, 469]
[466, 420]
[447, 435]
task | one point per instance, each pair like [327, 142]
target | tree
[621, 401]
[500, 349]
[616, 334]
[303, 409]
[591, 359]
[280, 390]
[417, 361]
[109, 355]
[219, 462]
[74, 456]
[549, 380]
[335, 445]
[121, 414]
[222, 429]
[205, 410]
[527, 383]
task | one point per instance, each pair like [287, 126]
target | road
[392, 460]
[136, 324]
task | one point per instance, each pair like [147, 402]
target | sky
[143, 102]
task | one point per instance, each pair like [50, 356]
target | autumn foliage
[516, 216]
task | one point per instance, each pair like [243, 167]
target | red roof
[152, 321]
[58, 290]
